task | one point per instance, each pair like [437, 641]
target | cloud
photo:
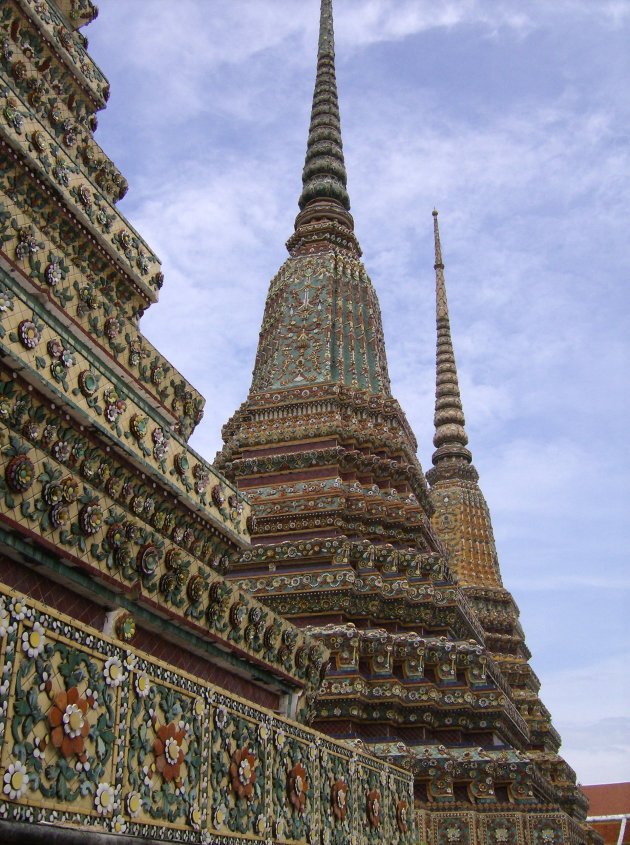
[598, 750]
[183, 50]
[595, 728]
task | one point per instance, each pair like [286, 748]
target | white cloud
[598, 750]
[592, 701]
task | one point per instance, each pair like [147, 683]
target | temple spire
[450, 437]
[324, 194]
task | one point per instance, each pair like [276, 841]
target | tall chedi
[343, 542]
[462, 520]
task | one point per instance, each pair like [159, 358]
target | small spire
[450, 437]
[324, 176]
[438, 247]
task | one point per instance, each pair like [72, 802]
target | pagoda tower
[462, 520]
[344, 541]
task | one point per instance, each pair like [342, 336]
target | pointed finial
[438, 247]
[326, 46]
[324, 175]
[450, 436]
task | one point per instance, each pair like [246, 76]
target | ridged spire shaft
[450, 437]
[324, 175]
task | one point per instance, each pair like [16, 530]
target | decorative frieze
[99, 736]
[93, 392]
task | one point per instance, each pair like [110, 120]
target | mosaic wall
[97, 735]
[127, 534]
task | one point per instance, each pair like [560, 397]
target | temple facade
[308, 640]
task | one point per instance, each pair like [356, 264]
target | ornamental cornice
[55, 108]
[348, 644]
[148, 555]
[493, 595]
[63, 136]
[323, 236]
[345, 459]
[424, 705]
[77, 13]
[424, 566]
[108, 339]
[68, 47]
[61, 105]
[160, 506]
[440, 768]
[61, 179]
[118, 416]
[305, 422]
[374, 524]
[430, 609]
[451, 471]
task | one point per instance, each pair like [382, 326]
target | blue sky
[513, 119]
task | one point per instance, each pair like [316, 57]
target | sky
[512, 118]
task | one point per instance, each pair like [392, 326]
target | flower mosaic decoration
[218, 495]
[243, 772]
[29, 334]
[91, 519]
[112, 327]
[220, 815]
[15, 781]
[138, 425]
[113, 671]
[115, 405]
[13, 116]
[402, 815]
[160, 438]
[62, 360]
[339, 799]
[169, 751]
[297, 786]
[195, 588]
[34, 640]
[133, 804]
[104, 799]
[6, 305]
[27, 243]
[85, 195]
[20, 473]
[68, 721]
[53, 274]
[125, 628]
[373, 807]
[148, 559]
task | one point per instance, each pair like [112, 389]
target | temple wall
[100, 736]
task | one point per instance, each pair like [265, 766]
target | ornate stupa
[426, 669]
[462, 520]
